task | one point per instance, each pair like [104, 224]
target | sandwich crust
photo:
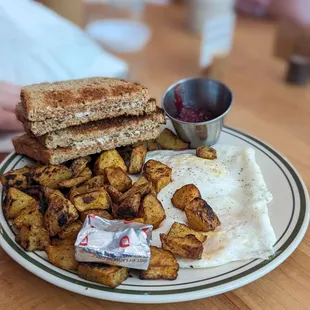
[104, 129]
[29, 146]
[61, 99]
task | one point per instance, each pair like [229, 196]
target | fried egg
[233, 185]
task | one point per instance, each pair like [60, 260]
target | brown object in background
[291, 39]
[216, 69]
[72, 10]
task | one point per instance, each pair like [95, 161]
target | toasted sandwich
[77, 141]
[48, 107]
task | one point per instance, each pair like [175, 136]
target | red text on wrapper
[124, 242]
[84, 242]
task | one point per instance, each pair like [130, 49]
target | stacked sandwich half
[67, 120]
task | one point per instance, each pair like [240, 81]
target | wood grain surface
[264, 106]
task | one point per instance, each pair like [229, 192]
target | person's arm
[9, 97]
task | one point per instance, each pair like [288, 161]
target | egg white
[233, 185]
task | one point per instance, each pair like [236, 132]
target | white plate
[289, 215]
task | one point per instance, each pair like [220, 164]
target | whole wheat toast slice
[102, 130]
[29, 146]
[39, 128]
[65, 98]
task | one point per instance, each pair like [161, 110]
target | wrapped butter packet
[112, 242]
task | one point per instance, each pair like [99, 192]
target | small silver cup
[203, 94]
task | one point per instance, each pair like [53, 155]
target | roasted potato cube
[128, 208]
[142, 189]
[163, 265]
[20, 178]
[51, 175]
[152, 211]
[33, 238]
[91, 184]
[184, 195]
[118, 179]
[86, 173]
[142, 181]
[29, 216]
[107, 275]
[158, 174]
[137, 158]
[60, 213]
[186, 247]
[200, 216]
[206, 152]
[38, 193]
[71, 231]
[113, 193]
[98, 212]
[62, 256]
[108, 159]
[17, 201]
[95, 199]
[152, 145]
[182, 230]
[72, 182]
[57, 241]
[167, 140]
[78, 166]
[137, 220]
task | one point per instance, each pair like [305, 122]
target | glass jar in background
[118, 24]
[214, 21]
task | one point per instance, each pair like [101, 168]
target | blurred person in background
[9, 97]
[297, 11]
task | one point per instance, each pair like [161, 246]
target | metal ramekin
[201, 93]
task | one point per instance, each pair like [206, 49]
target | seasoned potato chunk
[137, 220]
[128, 208]
[142, 181]
[142, 189]
[184, 195]
[206, 152]
[51, 175]
[86, 173]
[72, 182]
[137, 158]
[200, 216]
[93, 183]
[38, 193]
[94, 199]
[186, 247]
[182, 230]
[20, 178]
[163, 265]
[17, 201]
[152, 211]
[152, 145]
[57, 241]
[157, 173]
[108, 159]
[62, 256]
[60, 213]
[118, 179]
[169, 141]
[113, 193]
[78, 165]
[71, 231]
[29, 216]
[98, 212]
[107, 275]
[33, 238]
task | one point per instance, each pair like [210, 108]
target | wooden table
[264, 106]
